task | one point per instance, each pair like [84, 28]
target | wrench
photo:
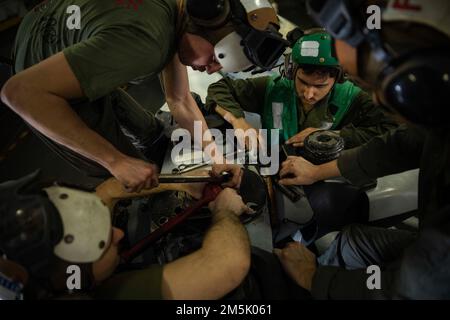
[183, 168]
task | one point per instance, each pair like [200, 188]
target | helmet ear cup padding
[417, 86]
[340, 77]
[289, 67]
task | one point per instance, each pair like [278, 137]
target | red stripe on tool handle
[210, 192]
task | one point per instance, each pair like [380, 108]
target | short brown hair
[322, 71]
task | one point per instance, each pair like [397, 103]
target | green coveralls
[345, 108]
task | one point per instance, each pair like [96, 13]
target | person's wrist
[224, 213]
[326, 170]
[317, 173]
[307, 277]
[229, 117]
[237, 121]
[112, 161]
[211, 151]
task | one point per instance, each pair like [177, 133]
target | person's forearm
[180, 101]
[394, 152]
[228, 116]
[356, 136]
[226, 235]
[53, 117]
[237, 96]
[227, 248]
[236, 122]
[215, 269]
[186, 116]
[327, 170]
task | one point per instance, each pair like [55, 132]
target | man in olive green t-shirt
[65, 78]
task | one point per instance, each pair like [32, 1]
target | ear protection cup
[208, 13]
[289, 67]
[418, 87]
[340, 77]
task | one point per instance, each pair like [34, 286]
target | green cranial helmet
[315, 49]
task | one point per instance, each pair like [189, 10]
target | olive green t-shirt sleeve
[142, 284]
[237, 96]
[364, 121]
[113, 57]
[396, 151]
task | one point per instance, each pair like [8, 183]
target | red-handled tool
[210, 193]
